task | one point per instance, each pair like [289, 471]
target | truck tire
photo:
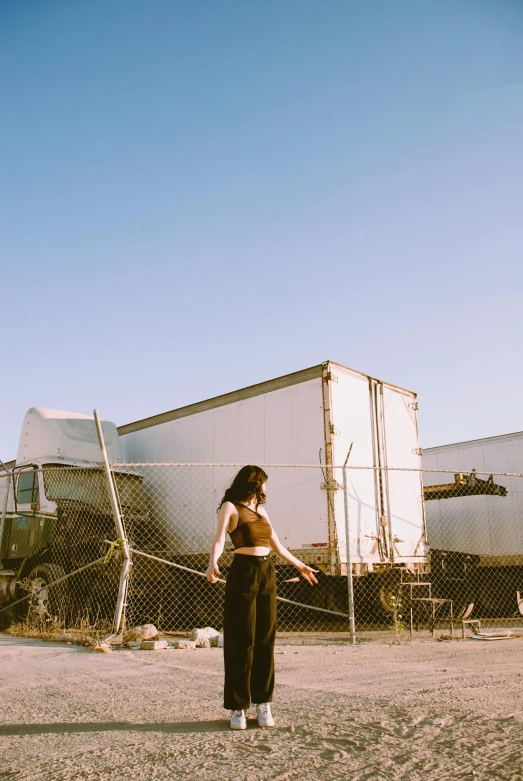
[47, 602]
[388, 588]
[376, 595]
[386, 596]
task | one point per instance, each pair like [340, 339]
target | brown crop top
[253, 529]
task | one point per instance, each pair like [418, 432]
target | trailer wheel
[46, 602]
[387, 598]
[391, 595]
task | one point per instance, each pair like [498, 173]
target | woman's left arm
[306, 571]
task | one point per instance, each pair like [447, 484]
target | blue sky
[198, 196]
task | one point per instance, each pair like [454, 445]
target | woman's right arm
[224, 517]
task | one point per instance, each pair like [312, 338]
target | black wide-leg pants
[249, 631]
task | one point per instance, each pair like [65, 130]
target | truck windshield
[89, 486]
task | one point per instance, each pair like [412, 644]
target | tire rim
[386, 599]
[39, 599]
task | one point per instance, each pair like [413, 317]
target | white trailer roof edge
[250, 391]
[474, 442]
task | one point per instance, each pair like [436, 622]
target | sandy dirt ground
[423, 710]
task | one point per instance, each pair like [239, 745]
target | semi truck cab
[55, 511]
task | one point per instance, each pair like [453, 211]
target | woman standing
[249, 627]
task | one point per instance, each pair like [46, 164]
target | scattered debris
[139, 633]
[184, 644]
[493, 634]
[205, 638]
[153, 645]
[102, 648]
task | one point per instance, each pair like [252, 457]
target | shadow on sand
[69, 728]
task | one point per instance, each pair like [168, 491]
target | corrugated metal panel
[475, 442]
[227, 398]
[405, 489]
[259, 389]
[395, 433]
[351, 418]
[282, 426]
[294, 430]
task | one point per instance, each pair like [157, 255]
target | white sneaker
[265, 719]
[238, 720]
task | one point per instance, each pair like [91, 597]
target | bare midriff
[258, 550]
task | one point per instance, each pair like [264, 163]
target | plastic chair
[464, 618]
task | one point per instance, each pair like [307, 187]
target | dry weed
[80, 633]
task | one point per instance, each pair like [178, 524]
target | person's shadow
[68, 728]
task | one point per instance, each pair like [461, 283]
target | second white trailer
[488, 526]
[475, 529]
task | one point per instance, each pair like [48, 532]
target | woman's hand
[308, 573]
[212, 573]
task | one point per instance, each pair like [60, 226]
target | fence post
[119, 617]
[350, 588]
[8, 478]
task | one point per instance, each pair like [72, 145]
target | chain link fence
[183, 501]
[397, 551]
[450, 546]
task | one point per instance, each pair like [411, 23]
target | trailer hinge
[414, 405]
[331, 485]
[333, 429]
[330, 377]
[418, 451]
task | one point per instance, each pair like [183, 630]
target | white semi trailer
[307, 418]
[475, 520]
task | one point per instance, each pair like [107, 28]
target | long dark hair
[246, 485]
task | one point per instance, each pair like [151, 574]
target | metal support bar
[350, 585]
[8, 480]
[315, 466]
[119, 616]
[220, 580]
